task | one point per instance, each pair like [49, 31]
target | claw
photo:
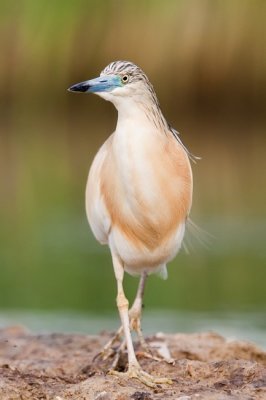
[135, 371]
[104, 354]
[108, 351]
[158, 358]
[118, 353]
[157, 351]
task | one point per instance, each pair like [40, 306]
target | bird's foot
[155, 357]
[157, 351]
[109, 351]
[118, 354]
[135, 371]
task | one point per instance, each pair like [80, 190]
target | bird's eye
[125, 79]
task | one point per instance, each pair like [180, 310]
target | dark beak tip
[73, 88]
[79, 87]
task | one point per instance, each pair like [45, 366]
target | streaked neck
[139, 110]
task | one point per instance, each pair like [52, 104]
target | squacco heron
[139, 191]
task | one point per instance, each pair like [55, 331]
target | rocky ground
[60, 367]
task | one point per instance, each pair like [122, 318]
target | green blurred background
[207, 62]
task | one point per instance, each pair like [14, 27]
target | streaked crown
[126, 68]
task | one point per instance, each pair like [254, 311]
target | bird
[138, 193]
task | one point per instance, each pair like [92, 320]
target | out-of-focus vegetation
[207, 62]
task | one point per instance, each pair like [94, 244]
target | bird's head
[120, 80]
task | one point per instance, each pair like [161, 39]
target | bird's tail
[195, 236]
[162, 272]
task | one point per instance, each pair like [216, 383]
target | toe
[135, 371]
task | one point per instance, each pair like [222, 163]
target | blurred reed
[199, 50]
[206, 61]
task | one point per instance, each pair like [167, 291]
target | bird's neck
[138, 112]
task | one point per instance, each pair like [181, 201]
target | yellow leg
[122, 305]
[135, 325]
[136, 311]
[134, 369]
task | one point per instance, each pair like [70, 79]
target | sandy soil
[60, 367]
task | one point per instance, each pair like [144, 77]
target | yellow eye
[125, 79]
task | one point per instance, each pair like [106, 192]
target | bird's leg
[122, 305]
[135, 316]
[135, 324]
[134, 369]
[136, 309]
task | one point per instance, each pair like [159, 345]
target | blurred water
[60, 266]
[242, 326]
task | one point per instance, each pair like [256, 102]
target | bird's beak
[101, 84]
